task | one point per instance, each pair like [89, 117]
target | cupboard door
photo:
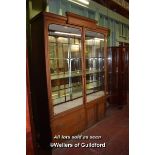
[118, 79]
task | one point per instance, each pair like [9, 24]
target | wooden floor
[114, 130]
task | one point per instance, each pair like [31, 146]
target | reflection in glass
[65, 63]
[94, 55]
[110, 71]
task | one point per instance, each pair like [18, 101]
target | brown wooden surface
[114, 131]
[119, 75]
[74, 121]
[30, 135]
[95, 111]
[50, 18]
[39, 84]
[101, 109]
[84, 75]
[80, 20]
[71, 121]
[91, 113]
[104, 30]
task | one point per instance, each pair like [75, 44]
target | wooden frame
[30, 133]
[74, 120]
[119, 86]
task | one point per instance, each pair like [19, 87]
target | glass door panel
[94, 58]
[64, 45]
[110, 72]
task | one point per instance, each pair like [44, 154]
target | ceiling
[114, 6]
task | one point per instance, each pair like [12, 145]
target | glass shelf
[62, 75]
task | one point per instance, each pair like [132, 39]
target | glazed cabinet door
[94, 76]
[94, 64]
[65, 58]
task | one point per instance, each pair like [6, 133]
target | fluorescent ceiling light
[98, 39]
[95, 39]
[84, 1]
[80, 2]
[70, 34]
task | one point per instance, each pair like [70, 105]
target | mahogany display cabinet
[68, 74]
[118, 75]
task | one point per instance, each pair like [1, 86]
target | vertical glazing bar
[57, 69]
[93, 52]
[83, 65]
[99, 67]
[84, 73]
[63, 57]
[69, 68]
[105, 64]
